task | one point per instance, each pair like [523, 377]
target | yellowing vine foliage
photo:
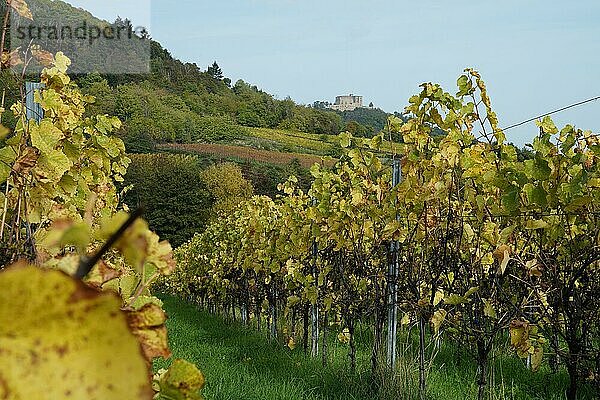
[486, 243]
[59, 205]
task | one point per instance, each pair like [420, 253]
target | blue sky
[534, 55]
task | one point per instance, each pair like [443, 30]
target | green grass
[240, 363]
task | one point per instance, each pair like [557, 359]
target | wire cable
[552, 112]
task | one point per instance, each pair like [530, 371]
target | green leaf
[536, 359]
[568, 142]
[45, 136]
[455, 299]
[579, 202]
[312, 295]
[463, 85]
[292, 301]
[7, 158]
[506, 233]
[510, 200]
[108, 144]
[471, 291]
[542, 144]
[345, 139]
[127, 285]
[538, 168]
[77, 235]
[68, 184]
[536, 195]
[135, 242]
[60, 339]
[548, 125]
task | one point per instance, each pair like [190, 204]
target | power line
[552, 112]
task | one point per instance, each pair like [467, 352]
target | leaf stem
[87, 263]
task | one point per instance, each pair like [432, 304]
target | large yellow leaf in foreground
[60, 339]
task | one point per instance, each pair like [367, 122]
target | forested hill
[182, 102]
[202, 119]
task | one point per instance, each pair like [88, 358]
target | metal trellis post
[314, 315]
[392, 333]
[33, 110]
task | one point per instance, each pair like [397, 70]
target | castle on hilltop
[347, 103]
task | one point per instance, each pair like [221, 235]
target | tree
[215, 71]
[227, 185]
[357, 129]
[170, 188]
[321, 105]
[372, 118]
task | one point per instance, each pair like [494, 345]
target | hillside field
[244, 153]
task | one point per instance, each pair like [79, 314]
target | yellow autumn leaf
[21, 7]
[439, 296]
[517, 332]
[61, 62]
[4, 131]
[357, 197]
[148, 325]
[536, 359]
[488, 309]
[344, 336]
[502, 255]
[405, 320]
[291, 343]
[504, 262]
[536, 224]
[182, 381]
[60, 339]
[437, 319]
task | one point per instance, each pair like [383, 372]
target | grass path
[241, 364]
